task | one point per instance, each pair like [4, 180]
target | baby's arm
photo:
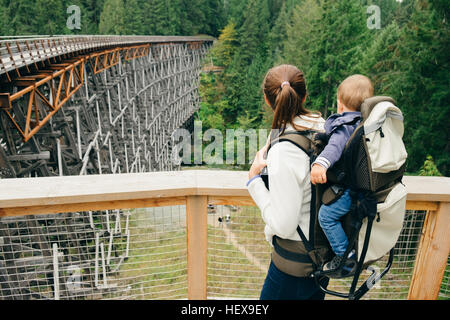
[329, 156]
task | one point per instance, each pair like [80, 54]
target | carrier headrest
[370, 103]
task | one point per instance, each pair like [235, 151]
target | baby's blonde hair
[354, 90]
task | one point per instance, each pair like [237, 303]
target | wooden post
[197, 244]
[56, 271]
[432, 256]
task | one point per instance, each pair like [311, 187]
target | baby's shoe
[348, 268]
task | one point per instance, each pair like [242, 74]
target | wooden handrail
[196, 189]
[59, 194]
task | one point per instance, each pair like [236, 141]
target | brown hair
[354, 90]
[286, 100]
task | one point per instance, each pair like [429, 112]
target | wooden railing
[197, 189]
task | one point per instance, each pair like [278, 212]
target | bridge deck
[19, 52]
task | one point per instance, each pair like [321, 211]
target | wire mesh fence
[119, 254]
[395, 284]
[239, 257]
[142, 254]
[444, 293]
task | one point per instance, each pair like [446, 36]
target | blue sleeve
[335, 147]
[255, 177]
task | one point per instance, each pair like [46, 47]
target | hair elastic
[286, 83]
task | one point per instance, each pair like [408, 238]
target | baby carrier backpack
[372, 166]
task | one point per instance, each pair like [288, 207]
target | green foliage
[112, 18]
[115, 17]
[50, 16]
[133, 18]
[296, 47]
[4, 18]
[422, 84]
[224, 51]
[338, 40]
[429, 168]
[23, 23]
[329, 40]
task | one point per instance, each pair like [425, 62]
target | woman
[287, 204]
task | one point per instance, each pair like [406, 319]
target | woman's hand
[318, 174]
[259, 163]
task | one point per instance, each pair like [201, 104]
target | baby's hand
[318, 174]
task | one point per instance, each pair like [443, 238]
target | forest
[406, 54]
[113, 17]
[406, 57]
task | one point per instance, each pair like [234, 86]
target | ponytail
[285, 90]
[286, 107]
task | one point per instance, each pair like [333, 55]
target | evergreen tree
[337, 42]
[380, 60]
[254, 31]
[275, 7]
[296, 47]
[421, 85]
[223, 51]
[215, 17]
[22, 15]
[4, 30]
[195, 16]
[234, 10]
[50, 17]
[90, 17]
[429, 168]
[175, 13]
[161, 14]
[112, 18]
[246, 72]
[390, 10]
[133, 20]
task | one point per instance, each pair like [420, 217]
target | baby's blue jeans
[330, 221]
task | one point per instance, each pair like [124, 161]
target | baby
[339, 127]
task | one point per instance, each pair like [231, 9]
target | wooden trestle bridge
[85, 105]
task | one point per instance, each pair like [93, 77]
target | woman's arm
[280, 208]
[258, 164]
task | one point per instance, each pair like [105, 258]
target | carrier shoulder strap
[370, 103]
[300, 139]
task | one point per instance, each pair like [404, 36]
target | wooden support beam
[5, 101]
[432, 255]
[197, 244]
[422, 205]
[92, 206]
[238, 201]
[29, 157]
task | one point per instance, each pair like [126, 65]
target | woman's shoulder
[287, 154]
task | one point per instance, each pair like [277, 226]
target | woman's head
[285, 91]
